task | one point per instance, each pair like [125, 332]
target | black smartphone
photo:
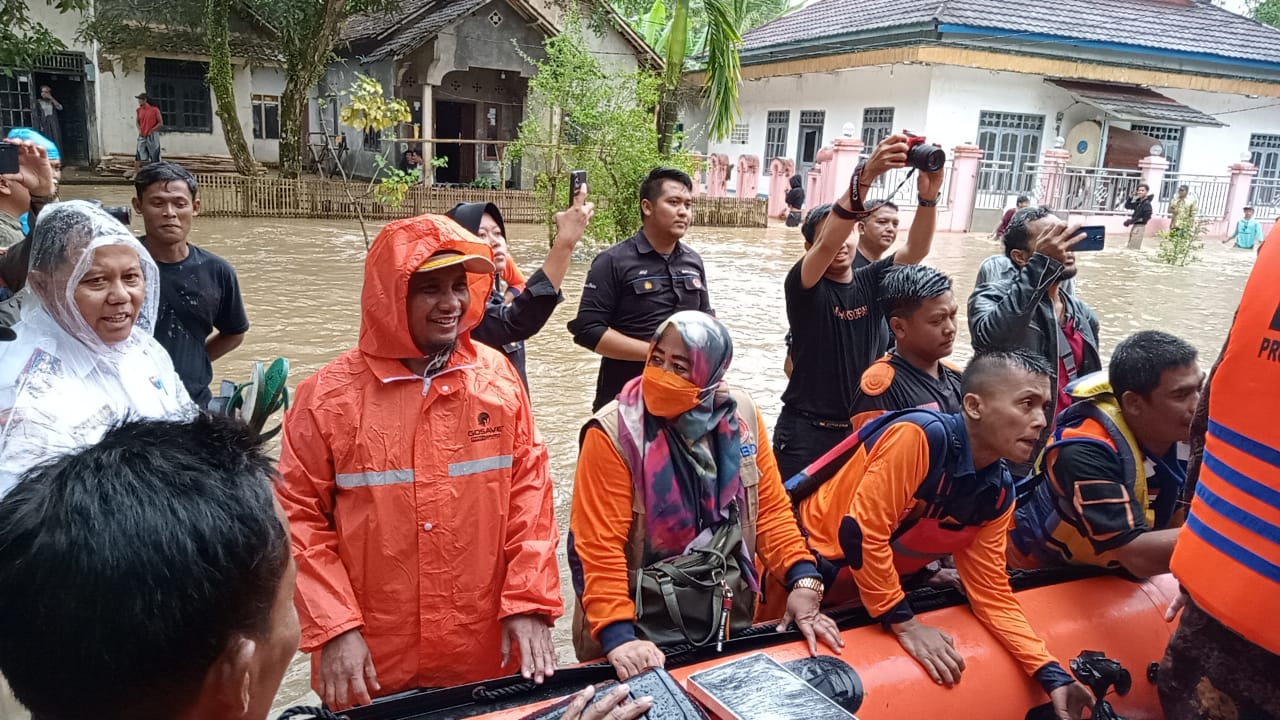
[577, 179]
[8, 158]
[1095, 238]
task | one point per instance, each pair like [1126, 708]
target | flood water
[301, 283]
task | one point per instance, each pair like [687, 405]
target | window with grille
[266, 117]
[775, 134]
[1264, 153]
[179, 89]
[877, 124]
[741, 134]
[1011, 141]
[15, 101]
[372, 140]
[1170, 138]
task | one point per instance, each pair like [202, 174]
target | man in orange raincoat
[417, 487]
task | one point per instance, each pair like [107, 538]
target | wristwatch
[928, 203]
[809, 583]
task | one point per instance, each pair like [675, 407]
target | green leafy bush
[583, 117]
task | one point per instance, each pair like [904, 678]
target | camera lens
[927, 158]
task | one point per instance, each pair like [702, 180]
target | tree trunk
[222, 81]
[293, 118]
[304, 66]
[668, 113]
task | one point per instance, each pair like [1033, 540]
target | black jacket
[1017, 313]
[1141, 210]
[795, 196]
[505, 326]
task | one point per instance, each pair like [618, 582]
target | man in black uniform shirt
[635, 285]
[921, 309]
[837, 324]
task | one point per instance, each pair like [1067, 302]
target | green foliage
[22, 38]
[395, 183]
[581, 117]
[1267, 12]
[369, 109]
[484, 183]
[1180, 245]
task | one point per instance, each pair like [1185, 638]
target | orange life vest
[1228, 554]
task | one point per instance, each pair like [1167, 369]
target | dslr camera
[922, 155]
[119, 212]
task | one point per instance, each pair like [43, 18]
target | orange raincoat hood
[397, 252]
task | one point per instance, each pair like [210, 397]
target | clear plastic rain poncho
[61, 385]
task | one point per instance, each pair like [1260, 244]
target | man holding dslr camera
[837, 325]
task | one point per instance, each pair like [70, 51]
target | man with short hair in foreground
[148, 577]
[922, 485]
[1116, 464]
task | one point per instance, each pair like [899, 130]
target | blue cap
[23, 133]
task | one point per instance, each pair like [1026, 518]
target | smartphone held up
[1095, 238]
[577, 179]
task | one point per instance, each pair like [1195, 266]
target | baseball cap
[476, 264]
[26, 133]
[142, 95]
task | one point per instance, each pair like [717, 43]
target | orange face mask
[666, 394]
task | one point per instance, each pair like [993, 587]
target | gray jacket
[1016, 312]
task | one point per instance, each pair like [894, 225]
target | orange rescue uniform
[909, 495]
[420, 510]
[601, 524]
[1228, 555]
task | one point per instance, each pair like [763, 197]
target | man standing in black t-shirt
[635, 285]
[837, 325]
[199, 291]
[921, 309]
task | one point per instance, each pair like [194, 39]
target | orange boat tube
[1121, 618]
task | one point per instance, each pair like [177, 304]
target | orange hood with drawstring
[420, 509]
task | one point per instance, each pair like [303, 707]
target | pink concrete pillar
[717, 174]
[825, 161]
[748, 176]
[813, 184]
[845, 154]
[1242, 174]
[1153, 168]
[780, 172]
[963, 192]
[1052, 183]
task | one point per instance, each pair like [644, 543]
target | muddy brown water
[301, 283]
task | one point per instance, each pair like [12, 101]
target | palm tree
[710, 29]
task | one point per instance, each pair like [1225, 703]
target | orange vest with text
[1228, 554]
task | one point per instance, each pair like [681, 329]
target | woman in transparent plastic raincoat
[84, 358]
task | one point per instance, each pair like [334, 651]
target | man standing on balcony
[1140, 203]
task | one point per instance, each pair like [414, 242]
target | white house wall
[842, 95]
[117, 124]
[945, 103]
[1209, 150]
[266, 81]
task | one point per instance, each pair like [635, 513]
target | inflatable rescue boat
[1110, 629]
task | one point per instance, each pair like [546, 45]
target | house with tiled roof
[463, 66]
[96, 84]
[1106, 80]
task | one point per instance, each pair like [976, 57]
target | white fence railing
[1208, 191]
[1264, 197]
[904, 193]
[1085, 190]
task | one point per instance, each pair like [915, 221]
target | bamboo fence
[228, 195]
